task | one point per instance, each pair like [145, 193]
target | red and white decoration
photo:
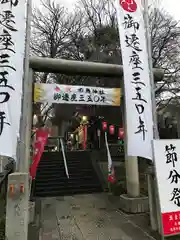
[111, 171]
[111, 175]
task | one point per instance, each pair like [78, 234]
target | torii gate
[40, 64]
[85, 68]
[17, 207]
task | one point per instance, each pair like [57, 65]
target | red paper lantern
[121, 133]
[104, 126]
[111, 129]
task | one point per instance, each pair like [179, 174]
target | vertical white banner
[136, 78]
[167, 162]
[12, 52]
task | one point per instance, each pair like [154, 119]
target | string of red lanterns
[112, 130]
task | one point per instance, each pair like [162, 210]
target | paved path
[86, 217]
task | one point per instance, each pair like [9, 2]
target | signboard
[167, 161]
[136, 78]
[54, 93]
[12, 53]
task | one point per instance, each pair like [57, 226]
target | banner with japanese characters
[12, 53]
[70, 94]
[167, 164]
[136, 78]
[40, 142]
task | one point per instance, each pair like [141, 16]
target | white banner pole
[108, 153]
[64, 158]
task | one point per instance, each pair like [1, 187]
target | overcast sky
[172, 6]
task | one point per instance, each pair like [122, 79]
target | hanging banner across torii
[136, 78]
[71, 94]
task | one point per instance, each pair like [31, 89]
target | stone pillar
[29, 120]
[131, 163]
[132, 176]
[17, 206]
[131, 202]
